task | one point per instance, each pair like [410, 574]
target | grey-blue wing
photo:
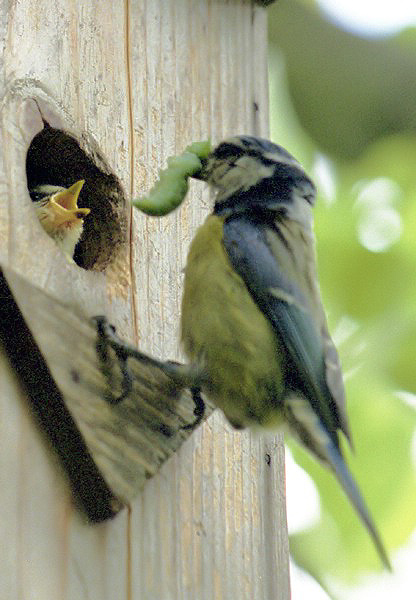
[312, 367]
[280, 294]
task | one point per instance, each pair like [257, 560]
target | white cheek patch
[245, 173]
[252, 171]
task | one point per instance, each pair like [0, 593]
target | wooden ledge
[108, 451]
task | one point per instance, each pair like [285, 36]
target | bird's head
[57, 207]
[250, 173]
[59, 214]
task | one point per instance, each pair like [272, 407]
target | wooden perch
[54, 351]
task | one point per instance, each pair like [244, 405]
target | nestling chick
[58, 213]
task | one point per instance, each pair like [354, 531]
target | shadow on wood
[107, 450]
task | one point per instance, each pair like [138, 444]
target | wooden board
[133, 82]
[55, 354]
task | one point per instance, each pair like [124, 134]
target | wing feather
[261, 253]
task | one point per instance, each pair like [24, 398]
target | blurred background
[343, 101]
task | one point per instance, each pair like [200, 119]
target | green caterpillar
[172, 186]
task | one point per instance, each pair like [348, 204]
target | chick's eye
[36, 196]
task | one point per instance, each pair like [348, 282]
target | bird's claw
[199, 409]
[107, 337]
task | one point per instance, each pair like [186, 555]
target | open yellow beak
[64, 204]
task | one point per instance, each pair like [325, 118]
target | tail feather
[349, 486]
[308, 428]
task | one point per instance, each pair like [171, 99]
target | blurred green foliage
[345, 107]
[347, 90]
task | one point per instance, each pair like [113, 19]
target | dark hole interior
[56, 158]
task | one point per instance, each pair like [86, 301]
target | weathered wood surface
[143, 79]
[128, 441]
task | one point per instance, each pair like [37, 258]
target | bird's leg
[107, 337]
[182, 375]
[199, 409]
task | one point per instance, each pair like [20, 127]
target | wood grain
[139, 80]
[128, 441]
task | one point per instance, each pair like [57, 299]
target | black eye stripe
[257, 149]
[225, 151]
[252, 146]
[228, 151]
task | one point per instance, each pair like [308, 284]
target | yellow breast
[225, 333]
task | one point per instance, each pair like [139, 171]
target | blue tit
[58, 213]
[253, 326]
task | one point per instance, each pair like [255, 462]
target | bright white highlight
[325, 177]
[299, 485]
[344, 330]
[371, 17]
[407, 397]
[304, 586]
[380, 224]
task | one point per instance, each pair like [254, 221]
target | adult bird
[58, 213]
[253, 324]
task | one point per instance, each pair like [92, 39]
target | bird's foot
[199, 410]
[179, 373]
[107, 338]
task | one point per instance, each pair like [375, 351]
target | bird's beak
[65, 204]
[202, 173]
